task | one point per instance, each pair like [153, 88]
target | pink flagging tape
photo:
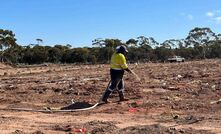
[132, 110]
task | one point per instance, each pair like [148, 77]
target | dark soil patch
[77, 105]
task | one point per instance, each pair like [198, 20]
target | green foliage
[13, 54]
[163, 53]
[215, 50]
[39, 54]
[80, 55]
[7, 40]
[132, 42]
[200, 43]
[54, 55]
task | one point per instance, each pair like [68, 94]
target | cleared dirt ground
[173, 98]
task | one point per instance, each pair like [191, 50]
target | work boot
[121, 95]
[105, 96]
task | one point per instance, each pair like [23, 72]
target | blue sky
[78, 22]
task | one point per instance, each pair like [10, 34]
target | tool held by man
[136, 76]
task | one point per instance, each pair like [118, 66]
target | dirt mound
[4, 66]
[158, 129]
[101, 127]
[108, 127]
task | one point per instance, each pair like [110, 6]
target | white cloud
[190, 17]
[218, 11]
[218, 20]
[210, 14]
[214, 16]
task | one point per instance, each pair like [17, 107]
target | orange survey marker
[139, 102]
[132, 110]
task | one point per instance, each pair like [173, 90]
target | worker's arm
[124, 63]
[128, 70]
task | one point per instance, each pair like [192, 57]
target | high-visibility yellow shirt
[118, 61]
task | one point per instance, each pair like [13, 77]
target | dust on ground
[170, 98]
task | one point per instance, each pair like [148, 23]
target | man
[117, 66]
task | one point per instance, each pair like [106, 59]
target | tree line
[200, 43]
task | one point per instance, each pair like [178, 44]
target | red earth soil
[170, 98]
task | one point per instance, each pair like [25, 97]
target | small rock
[165, 97]
[175, 116]
[172, 88]
[18, 132]
[213, 87]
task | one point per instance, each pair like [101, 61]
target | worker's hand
[134, 74]
[129, 71]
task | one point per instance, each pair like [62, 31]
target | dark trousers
[116, 80]
[116, 83]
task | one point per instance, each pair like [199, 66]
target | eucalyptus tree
[107, 46]
[39, 41]
[147, 41]
[142, 41]
[98, 42]
[132, 42]
[145, 48]
[219, 36]
[200, 39]
[173, 43]
[7, 40]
